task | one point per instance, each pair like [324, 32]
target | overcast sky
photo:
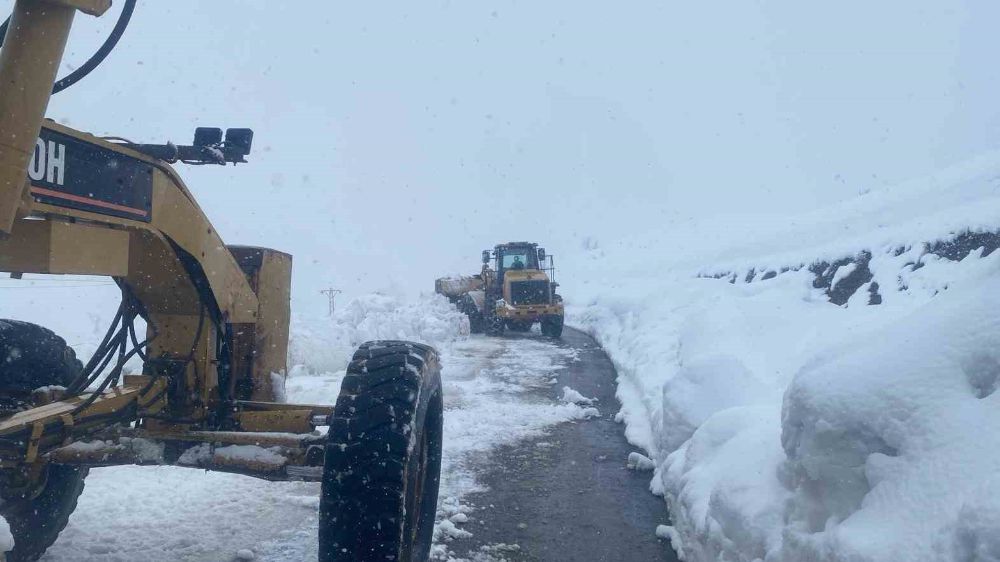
[394, 140]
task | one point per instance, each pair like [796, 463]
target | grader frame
[71, 203]
[216, 338]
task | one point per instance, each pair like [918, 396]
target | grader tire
[35, 523]
[31, 357]
[383, 457]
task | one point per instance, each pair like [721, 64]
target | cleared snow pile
[640, 462]
[818, 389]
[321, 347]
[889, 454]
[6, 538]
[573, 397]
[666, 532]
[324, 344]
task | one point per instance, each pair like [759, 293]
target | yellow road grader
[215, 340]
[518, 291]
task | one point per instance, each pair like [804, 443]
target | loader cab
[519, 260]
[515, 256]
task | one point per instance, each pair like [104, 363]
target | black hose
[99, 354]
[111, 380]
[137, 345]
[102, 53]
[122, 330]
[79, 386]
[98, 57]
[194, 345]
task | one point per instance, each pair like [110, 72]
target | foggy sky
[396, 140]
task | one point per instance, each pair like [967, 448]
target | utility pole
[331, 294]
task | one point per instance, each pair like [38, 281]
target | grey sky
[395, 140]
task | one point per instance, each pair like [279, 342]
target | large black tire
[468, 306]
[35, 522]
[383, 457]
[495, 326]
[31, 357]
[552, 326]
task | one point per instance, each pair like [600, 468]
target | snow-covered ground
[784, 427]
[789, 428]
[161, 514]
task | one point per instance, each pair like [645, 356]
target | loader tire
[552, 326]
[495, 326]
[383, 457]
[31, 357]
[468, 306]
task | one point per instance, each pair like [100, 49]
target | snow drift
[887, 440]
[817, 388]
[319, 348]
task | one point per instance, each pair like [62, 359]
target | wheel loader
[518, 291]
[215, 340]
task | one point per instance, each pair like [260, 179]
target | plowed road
[526, 476]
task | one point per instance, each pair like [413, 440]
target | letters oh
[48, 162]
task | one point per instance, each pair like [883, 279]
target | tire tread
[368, 449]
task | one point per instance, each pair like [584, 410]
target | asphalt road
[567, 496]
[562, 496]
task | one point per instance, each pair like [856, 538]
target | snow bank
[790, 420]
[888, 451]
[321, 343]
[321, 347]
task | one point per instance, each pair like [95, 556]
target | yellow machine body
[72, 203]
[509, 309]
[514, 294]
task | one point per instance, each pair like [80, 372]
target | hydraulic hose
[98, 57]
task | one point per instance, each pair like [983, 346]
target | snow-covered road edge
[788, 428]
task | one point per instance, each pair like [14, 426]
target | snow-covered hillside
[817, 387]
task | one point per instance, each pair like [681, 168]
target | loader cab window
[519, 260]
